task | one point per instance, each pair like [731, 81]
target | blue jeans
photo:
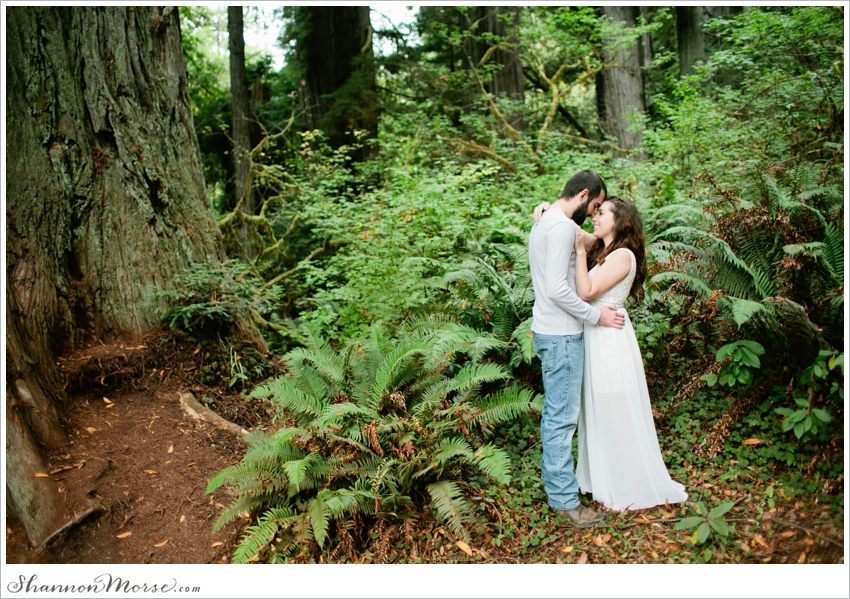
[562, 358]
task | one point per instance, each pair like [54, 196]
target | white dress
[619, 459]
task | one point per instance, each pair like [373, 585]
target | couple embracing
[593, 374]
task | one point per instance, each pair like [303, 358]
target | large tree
[619, 86]
[334, 54]
[240, 129]
[690, 37]
[105, 193]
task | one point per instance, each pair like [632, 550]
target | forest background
[370, 213]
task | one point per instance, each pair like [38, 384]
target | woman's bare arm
[616, 268]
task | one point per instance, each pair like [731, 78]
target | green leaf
[749, 358]
[701, 509]
[719, 526]
[798, 429]
[821, 415]
[710, 379]
[753, 346]
[721, 509]
[690, 522]
[703, 532]
[724, 352]
[784, 411]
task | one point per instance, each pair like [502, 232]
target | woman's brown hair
[628, 233]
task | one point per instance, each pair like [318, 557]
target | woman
[619, 460]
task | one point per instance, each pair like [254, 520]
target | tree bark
[338, 93]
[105, 192]
[690, 37]
[240, 124]
[508, 80]
[619, 87]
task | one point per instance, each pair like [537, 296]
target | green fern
[380, 424]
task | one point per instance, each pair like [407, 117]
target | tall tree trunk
[690, 37]
[645, 44]
[240, 124]
[619, 88]
[508, 80]
[334, 49]
[105, 192]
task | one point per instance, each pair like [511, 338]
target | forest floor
[147, 463]
[134, 450]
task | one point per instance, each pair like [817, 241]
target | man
[558, 342]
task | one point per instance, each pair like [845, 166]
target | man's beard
[580, 214]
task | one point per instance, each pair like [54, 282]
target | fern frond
[261, 534]
[507, 405]
[743, 310]
[451, 505]
[494, 462]
[525, 340]
[692, 283]
[449, 448]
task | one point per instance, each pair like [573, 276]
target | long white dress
[619, 459]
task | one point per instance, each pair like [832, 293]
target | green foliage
[806, 418]
[707, 522]
[211, 299]
[372, 429]
[743, 358]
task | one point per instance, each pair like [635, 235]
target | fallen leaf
[761, 542]
[107, 400]
[91, 429]
[123, 535]
[81, 464]
[787, 533]
[464, 547]
[42, 475]
[607, 537]
[802, 559]
[110, 405]
[161, 544]
[598, 541]
[641, 520]
[196, 351]
[170, 449]
[217, 544]
[150, 472]
[654, 554]
[190, 464]
[182, 518]
[568, 549]
[583, 558]
[752, 441]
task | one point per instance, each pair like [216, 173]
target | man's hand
[541, 208]
[611, 318]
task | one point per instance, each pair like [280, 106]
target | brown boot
[582, 517]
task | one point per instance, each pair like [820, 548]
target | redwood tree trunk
[690, 37]
[105, 193]
[240, 124]
[334, 49]
[619, 88]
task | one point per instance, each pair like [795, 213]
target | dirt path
[148, 465]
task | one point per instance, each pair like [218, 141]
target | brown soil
[144, 460]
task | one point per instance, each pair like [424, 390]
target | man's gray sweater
[551, 254]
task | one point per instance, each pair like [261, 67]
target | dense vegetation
[395, 281]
